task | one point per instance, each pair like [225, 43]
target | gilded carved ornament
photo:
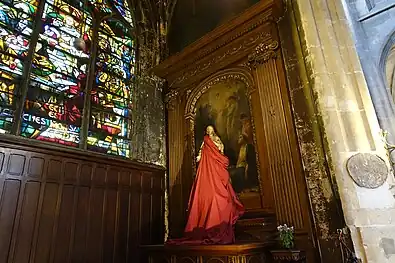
[262, 53]
[245, 45]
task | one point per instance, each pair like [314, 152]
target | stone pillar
[349, 125]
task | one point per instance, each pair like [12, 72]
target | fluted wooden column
[284, 166]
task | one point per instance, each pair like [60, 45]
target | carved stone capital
[170, 99]
[262, 53]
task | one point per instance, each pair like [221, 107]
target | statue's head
[210, 130]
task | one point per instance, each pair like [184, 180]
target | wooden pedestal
[236, 253]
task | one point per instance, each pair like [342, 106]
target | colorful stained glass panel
[102, 6]
[123, 9]
[110, 122]
[8, 84]
[16, 25]
[53, 109]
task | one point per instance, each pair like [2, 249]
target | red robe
[213, 204]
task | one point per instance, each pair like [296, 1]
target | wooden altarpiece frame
[247, 48]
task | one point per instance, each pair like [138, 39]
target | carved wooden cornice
[221, 57]
[263, 52]
[231, 41]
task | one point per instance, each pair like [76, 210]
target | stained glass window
[55, 89]
[16, 24]
[101, 6]
[53, 109]
[110, 122]
[122, 7]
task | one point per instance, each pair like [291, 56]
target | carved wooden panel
[56, 207]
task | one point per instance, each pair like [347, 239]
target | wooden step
[259, 229]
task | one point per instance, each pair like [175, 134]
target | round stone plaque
[367, 170]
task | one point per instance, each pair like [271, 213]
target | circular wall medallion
[367, 170]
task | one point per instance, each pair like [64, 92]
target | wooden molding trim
[19, 143]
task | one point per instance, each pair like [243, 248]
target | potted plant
[286, 235]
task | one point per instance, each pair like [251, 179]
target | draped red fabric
[213, 204]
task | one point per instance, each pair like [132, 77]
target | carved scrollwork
[262, 53]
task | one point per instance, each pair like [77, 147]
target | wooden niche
[234, 78]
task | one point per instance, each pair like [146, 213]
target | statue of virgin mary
[213, 205]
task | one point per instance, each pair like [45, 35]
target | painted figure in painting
[243, 174]
[213, 204]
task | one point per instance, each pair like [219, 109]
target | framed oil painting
[225, 106]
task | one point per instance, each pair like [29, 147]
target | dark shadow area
[193, 19]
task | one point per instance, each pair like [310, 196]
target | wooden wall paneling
[135, 207]
[157, 210]
[145, 213]
[17, 170]
[26, 225]
[58, 208]
[124, 214]
[47, 219]
[97, 199]
[8, 205]
[63, 237]
[31, 174]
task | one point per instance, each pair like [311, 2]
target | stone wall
[372, 23]
[349, 123]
